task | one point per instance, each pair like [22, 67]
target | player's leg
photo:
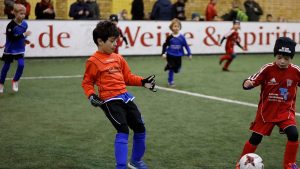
[259, 129]
[115, 112]
[292, 144]
[251, 145]
[228, 62]
[6, 65]
[171, 66]
[224, 57]
[136, 123]
[171, 78]
[18, 74]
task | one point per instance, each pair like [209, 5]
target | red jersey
[232, 38]
[110, 73]
[278, 91]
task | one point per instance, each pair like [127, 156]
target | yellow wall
[119, 5]
[290, 9]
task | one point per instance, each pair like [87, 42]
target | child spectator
[232, 39]
[279, 81]
[173, 50]
[16, 33]
[123, 15]
[236, 12]
[269, 18]
[114, 18]
[111, 74]
[195, 17]
[44, 10]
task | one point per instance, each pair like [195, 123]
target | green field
[49, 123]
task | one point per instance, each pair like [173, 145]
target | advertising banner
[60, 38]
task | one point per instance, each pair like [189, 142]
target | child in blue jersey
[173, 50]
[16, 33]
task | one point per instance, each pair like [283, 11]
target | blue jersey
[174, 46]
[15, 39]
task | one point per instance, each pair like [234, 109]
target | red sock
[228, 62]
[224, 57]
[290, 153]
[248, 148]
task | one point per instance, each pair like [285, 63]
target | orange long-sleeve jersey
[110, 73]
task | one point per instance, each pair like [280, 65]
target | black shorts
[173, 63]
[123, 115]
[10, 58]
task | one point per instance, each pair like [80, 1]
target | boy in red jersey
[279, 81]
[232, 39]
[111, 74]
[114, 18]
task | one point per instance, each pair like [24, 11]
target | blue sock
[4, 71]
[171, 77]
[19, 70]
[121, 150]
[139, 146]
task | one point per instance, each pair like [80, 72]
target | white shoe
[15, 86]
[1, 88]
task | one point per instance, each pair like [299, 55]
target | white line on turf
[158, 87]
[48, 77]
[211, 97]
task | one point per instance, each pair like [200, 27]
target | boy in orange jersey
[111, 73]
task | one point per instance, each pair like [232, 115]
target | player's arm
[255, 79]
[225, 36]
[89, 79]
[222, 40]
[185, 44]
[166, 44]
[129, 78]
[248, 84]
[123, 37]
[11, 34]
[134, 80]
[239, 45]
[125, 40]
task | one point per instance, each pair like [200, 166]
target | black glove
[149, 83]
[95, 100]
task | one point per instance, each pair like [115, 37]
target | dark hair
[104, 30]
[285, 46]
[113, 17]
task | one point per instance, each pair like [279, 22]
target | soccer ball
[251, 161]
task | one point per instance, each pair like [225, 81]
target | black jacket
[253, 10]
[137, 10]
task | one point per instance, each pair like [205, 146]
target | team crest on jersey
[272, 82]
[289, 82]
[284, 93]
